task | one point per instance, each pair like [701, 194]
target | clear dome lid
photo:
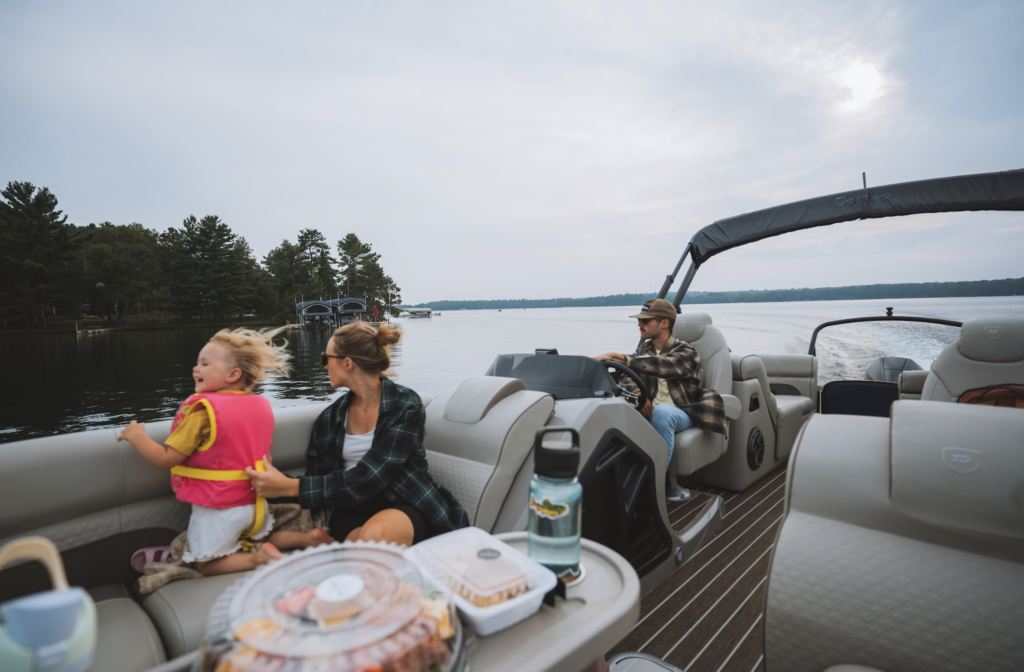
[324, 602]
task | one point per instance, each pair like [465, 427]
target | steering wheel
[624, 370]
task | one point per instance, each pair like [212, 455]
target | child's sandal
[144, 556]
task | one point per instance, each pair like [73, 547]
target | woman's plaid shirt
[395, 466]
[679, 365]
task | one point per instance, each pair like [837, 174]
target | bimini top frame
[986, 191]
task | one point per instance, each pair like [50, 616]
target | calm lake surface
[63, 383]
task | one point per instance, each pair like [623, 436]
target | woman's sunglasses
[324, 357]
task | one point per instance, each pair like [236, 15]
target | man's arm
[682, 362]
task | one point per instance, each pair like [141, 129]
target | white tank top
[356, 445]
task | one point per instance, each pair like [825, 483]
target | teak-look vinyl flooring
[708, 614]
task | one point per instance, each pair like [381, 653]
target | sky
[526, 149]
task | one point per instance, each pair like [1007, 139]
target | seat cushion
[790, 407]
[126, 640]
[695, 448]
[791, 414]
[179, 609]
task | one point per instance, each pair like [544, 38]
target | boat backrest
[791, 374]
[751, 367]
[902, 546]
[79, 488]
[989, 351]
[478, 438]
[911, 383]
[716, 369]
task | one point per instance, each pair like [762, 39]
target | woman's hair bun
[367, 346]
[388, 334]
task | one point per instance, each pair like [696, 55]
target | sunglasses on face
[645, 320]
[324, 357]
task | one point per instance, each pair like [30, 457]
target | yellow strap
[261, 507]
[216, 475]
[213, 474]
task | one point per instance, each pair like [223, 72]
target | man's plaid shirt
[395, 466]
[679, 365]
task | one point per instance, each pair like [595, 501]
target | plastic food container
[493, 585]
[352, 607]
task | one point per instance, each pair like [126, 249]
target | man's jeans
[667, 420]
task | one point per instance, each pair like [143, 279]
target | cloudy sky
[526, 149]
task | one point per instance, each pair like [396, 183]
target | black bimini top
[987, 191]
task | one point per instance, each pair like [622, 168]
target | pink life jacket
[241, 431]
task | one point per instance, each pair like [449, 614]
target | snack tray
[445, 559]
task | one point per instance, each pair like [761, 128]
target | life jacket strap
[214, 474]
[217, 475]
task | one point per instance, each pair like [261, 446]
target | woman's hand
[272, 483]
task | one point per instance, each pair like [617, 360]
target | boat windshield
[562, 376]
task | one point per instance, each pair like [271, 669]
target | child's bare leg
[287, 540]
[239, 562]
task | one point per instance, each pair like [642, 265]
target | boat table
[570, 635]
[567, 637]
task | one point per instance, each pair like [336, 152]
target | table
[567, 637]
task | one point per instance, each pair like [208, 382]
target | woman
[367, 469]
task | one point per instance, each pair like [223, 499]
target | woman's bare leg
[390, 525]
[239, 562]
[287, 540]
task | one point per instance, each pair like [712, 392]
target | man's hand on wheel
[611, 356]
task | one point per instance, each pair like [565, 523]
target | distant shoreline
[910, 290]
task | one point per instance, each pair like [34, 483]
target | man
[670, 370]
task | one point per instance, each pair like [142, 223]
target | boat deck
[708, 614]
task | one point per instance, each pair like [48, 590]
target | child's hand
[133, 431]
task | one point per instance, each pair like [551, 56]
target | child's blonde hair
[254, 352]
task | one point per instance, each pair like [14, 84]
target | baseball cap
[659, 309]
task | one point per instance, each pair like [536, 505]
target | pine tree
[353, 257]
[35, 246]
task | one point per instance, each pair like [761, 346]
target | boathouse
[329, 312]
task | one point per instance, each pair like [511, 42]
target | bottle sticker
[548, 509]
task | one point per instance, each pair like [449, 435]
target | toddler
[218, 432]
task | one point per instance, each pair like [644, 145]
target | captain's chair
[990, 351]
[695, 447]
[902, 546]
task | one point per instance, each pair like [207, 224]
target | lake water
[63, 383]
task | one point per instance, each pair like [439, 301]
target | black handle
[549, 430]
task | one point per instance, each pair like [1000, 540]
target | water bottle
[555, 503]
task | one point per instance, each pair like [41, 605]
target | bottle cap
[557, 459]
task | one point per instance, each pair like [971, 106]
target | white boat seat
[787, 413]
[126, 640]
[478, 439]
[696, 448]
[903, 543]
[990, 351]
[791, 412]
[911, 383]
[179, 609]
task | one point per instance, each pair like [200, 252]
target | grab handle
[37, 548]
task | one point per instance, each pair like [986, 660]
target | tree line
[201, 270]
[908, 290]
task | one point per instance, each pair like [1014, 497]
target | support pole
[669, 279]
[690, 272]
